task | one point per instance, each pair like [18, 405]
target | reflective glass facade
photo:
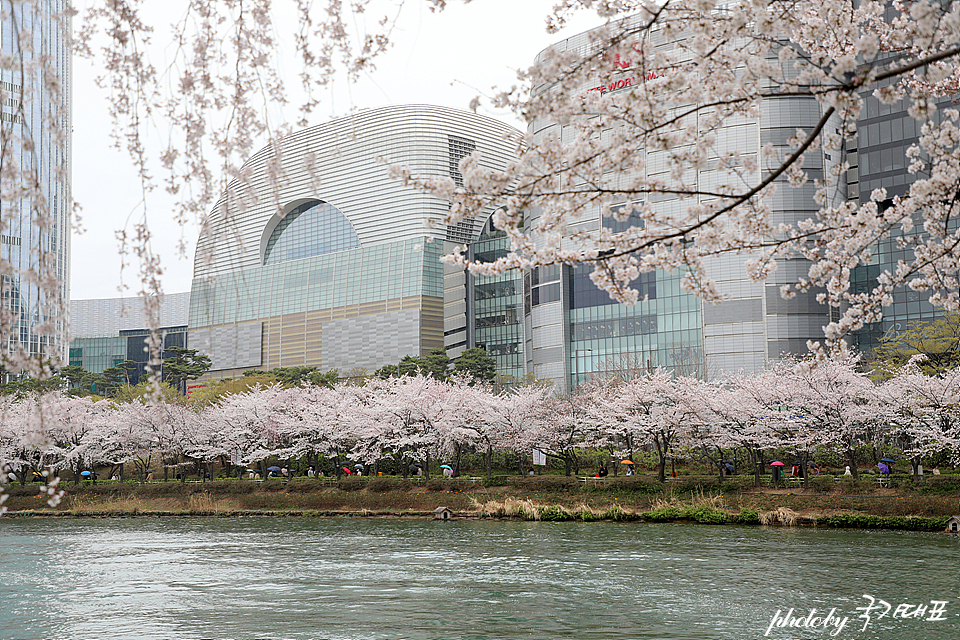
[312, 229]
[884, 133]
[360, 276]
[36, 121]
[496, 300]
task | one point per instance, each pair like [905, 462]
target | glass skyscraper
[35, 196]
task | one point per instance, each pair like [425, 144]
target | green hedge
[545, 483]
[864, 521]
[352, 483]
[385, 484]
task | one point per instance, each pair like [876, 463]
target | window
[312, 229]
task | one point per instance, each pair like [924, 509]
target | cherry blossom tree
[512, 414]
[927, 411]
[320, 421]
[246, 425]
[748, 414]
[832, 404]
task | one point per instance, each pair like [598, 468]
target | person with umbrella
[447, 470]
[775, 472]
[629, 465]
[273, 472]
[358, 469]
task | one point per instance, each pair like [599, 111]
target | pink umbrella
[776, 463]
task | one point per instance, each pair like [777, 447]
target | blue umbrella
[84, 473]
[273, 468]
[446, 466]
[887, 460]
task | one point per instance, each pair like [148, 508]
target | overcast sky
[443, 60]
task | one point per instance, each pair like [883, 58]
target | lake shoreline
[548, 498]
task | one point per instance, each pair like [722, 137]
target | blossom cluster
[416, 418]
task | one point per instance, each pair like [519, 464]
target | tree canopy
[936, 341]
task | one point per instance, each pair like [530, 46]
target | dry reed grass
[782, 515]
[696, 501]
[508, 508]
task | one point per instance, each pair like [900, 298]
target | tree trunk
[661, 460]
[489, 463]
[456, 465]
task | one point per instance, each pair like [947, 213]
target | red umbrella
[776, 463]
[347, 470]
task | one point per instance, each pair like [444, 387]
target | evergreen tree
[478, 363]
[184, 364]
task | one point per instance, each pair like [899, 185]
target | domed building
[334, 263]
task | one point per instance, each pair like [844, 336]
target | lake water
[359, 579]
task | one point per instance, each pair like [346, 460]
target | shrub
[496, 481]
[663, 514]
[303, 485]
[162, 489]
[747, 516]
[554, 513]
[350, 483]
[634, 484]
[588, 515]
[822, 484]
[383, 485]
[942, 484]
[864, 521]
[273, 484]
[706, 515]
[230, 487]
[436, 484]
[617, 514]
[545, 483]
[739, 482]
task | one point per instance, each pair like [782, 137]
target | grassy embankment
[922, 505]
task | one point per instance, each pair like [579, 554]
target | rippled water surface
[353, 579]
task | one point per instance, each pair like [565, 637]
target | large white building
[335, 263]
